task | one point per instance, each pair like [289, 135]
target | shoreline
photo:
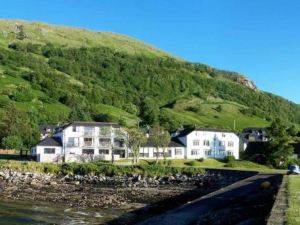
[105, 191]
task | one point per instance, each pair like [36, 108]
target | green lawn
[211, 163]
[293, 213]
[177, 163]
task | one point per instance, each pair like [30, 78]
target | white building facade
[208, 143]
[84, 141]
[174, 150]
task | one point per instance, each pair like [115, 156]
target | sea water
[22, 212]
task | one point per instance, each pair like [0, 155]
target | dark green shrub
[67, 168]
[191, 163]
[229, 159]
[51, 168]
[85, 169]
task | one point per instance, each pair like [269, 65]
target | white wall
[42, 157]
[195, 143]
[74, 153]
[151, 152]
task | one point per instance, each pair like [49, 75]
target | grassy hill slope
[41, 33]
[64, 73]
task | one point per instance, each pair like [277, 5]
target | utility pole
[112, 145]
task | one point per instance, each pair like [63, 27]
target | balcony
[89, 133]
[104, 144]
[72, 144]
[88, 144]
[105, 134]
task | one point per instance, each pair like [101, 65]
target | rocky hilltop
[247, 83]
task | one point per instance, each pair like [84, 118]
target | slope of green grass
[83, 68]
[74, 37]
[116, 113]
[208, 116]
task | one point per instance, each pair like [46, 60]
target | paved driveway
[191, 212]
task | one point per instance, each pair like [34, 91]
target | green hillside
[55, 74]
[214, 112]
[41, 33]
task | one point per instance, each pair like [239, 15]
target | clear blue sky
[258, 38]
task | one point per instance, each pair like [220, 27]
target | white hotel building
[86, 141]
[197, 143]
[82, 141]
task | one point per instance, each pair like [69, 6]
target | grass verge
[211, 164]
[293, 213]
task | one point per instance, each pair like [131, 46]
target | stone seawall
[104, 191]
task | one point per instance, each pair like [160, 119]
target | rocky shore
[104, 191]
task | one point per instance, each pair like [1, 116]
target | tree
[135, 140]
[18, 123]
[292, 131]
[279, 151]
[277, 129]
[78, 114]
[102, 117]
[12, 142]
[280, 154]
[149, 111]
[165, 141]
[160, 138]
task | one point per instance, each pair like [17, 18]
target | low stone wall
[278, 213]
[103, 191]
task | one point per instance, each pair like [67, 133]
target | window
[160, 154]
[119, 143]
[74, 129]
[223, 135]
[104, 142]
[196, 142]
[221, 143]
[88, 141]
[104, 151]
[178, 151]
[230, 153]
[71, 142]
[195, 152]
[221, 152]
[49, 150]
[145, 155]
[230, 144]
[207, 152]
[88, 151]
[90, 131]
[206, 143]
